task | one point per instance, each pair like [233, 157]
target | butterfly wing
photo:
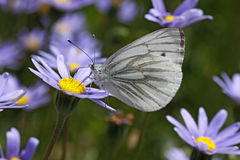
[146, 74]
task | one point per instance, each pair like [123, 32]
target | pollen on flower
[71, 85]
[32, 42]
[14, 158]
[169, 18]
[207, 141]
[73, 66]
[23, 101]
[62, 28]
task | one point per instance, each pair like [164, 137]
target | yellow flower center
[32, 42]
[63, 1]
[63, 28]
[169, 18]
[71, 85]
[43, 8]
[207, 141]
[23, 101]
[14, 158]
[73, 66]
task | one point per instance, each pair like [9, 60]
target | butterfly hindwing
[146, 74]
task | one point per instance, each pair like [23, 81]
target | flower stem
[65, 138]
[144, 125]
[58, 128]
[198, 155]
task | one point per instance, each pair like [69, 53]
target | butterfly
[145, 74]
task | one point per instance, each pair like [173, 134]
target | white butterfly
[145, 74]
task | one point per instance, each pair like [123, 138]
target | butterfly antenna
[94, 37]
[80, 49]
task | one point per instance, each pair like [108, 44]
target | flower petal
[62, 67]
[216, 123]
[13, 143]
[186, 5]
[227, 132]
[101, 103]
[190, 123]
[184, 137]
[159, 5]
[30, 149]
[202, 121]
[83, 75]
[3, 82]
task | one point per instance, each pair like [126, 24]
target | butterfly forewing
[146, 74]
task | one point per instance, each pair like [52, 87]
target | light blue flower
[32, 40]
[35, 96]
[230, 87]
[10, 54]
[176, 154]
[69, 5]
[206, 136]
[183, 16]
[127, 11]
[13, 147]
[8, 99]
[67, 27]
[73, 86]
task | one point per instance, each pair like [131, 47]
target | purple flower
[69, 5]
[205, 136]
[33, 40]
[73, 86]
[103, 5]
[230, 87]
[67, 27]
[10, 54]
[183, 16]
[35, 96]
[73, 56]
[176, 154]
[13, 147]
[127, 11]
[8, 99]
[21, 6]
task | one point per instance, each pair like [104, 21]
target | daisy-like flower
[183, 16]
[35, 96]
[230, 87]
[10, 54]
[68, 26]
[127, 11]
[13, 147]
[176, 154]
[75, 57]
[21, 6]
[206, 136]
[33, 40]
[69, 5]
[8, 99]
[73, 86]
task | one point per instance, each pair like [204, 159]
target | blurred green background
[212, 47]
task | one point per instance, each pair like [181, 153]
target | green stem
[58, 128]
[198, 155]
[65, 138]
[146, 117]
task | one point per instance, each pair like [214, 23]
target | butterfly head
[98, 75]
